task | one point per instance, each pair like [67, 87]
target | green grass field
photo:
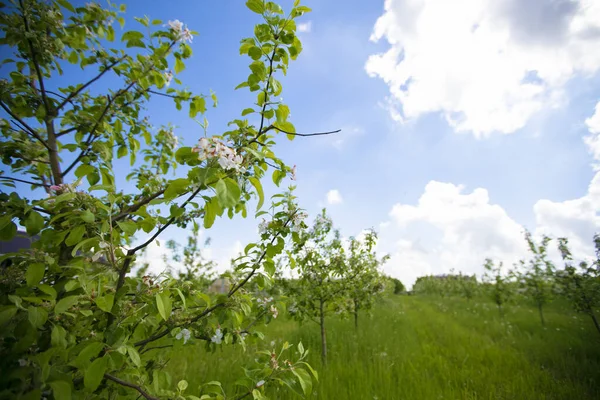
[430, 348]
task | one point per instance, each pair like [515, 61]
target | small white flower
[22, 362]
[263, 226]
[260, 383]
[274, 311]
[183, 334]
[293, 173]
[218, 337]
[272, 343]
[176, 25]
[168, 77]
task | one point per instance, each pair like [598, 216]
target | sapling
[581, 285]
[499, 288]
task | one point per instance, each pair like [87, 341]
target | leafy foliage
[75, 324]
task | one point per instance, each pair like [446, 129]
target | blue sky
[448, 147]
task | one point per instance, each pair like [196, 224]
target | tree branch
[131, 385]
[91, 135]
[306, 134]
[29, 130]
[79, 90]
[23, 181]
[133, 208]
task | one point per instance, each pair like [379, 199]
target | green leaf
[61, 390]
[7, 314]
[75, 235]
[8, 229]
[105, 303]
[134, 355]
[129, 227]
[179, 65]
[94, 374]
[59, 337]
[88, 216]
[65, 303]
[83, 170]
[247, 111]
[256, 5]
[37, 316]
[210, 213]
[304, 379]
[34, 222]
[259, 191]
[163, 303]
[182, 385]
[255, 53]
[176, 187]
[66, 4]
[300, 348]
[73, 57]
[228, 192]
[35, 273]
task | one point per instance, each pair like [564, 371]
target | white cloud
[459, 230]
[449, 229]
[593, 139]
[305, 27]
[486, 65]
[334, 197]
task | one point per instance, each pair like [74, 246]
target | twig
[131, 385]
[9, 178]
[76, 92]
[27, 129]
[307, 134]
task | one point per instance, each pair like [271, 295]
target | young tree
[190, 257]
[498, 284]
[468, 285]
[74, 323]
[319, 261]
[581, 286]
[362, 278]
[538, 276]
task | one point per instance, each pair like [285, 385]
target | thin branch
[307, 134]
[76, 92]
[257, 265]
[156, 348]
[131, 385]
[27, 129]
[23, 181]
[165, 226]
[36, 65]
[66, 131]
[172, 96]
[137, 206]
[92, 137]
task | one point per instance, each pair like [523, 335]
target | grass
[430, 348]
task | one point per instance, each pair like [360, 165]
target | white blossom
[227, 157]
[260, 383]
[274, 311]
[183, 33]
[293, 173]
[263, 226]
[218, 337]
[168, 77]
[183, 334]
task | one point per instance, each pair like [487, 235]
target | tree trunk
[595, 321]
[541, 314]
[355, 314]
[323, 333]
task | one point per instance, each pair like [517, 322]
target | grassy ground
[432, 348]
